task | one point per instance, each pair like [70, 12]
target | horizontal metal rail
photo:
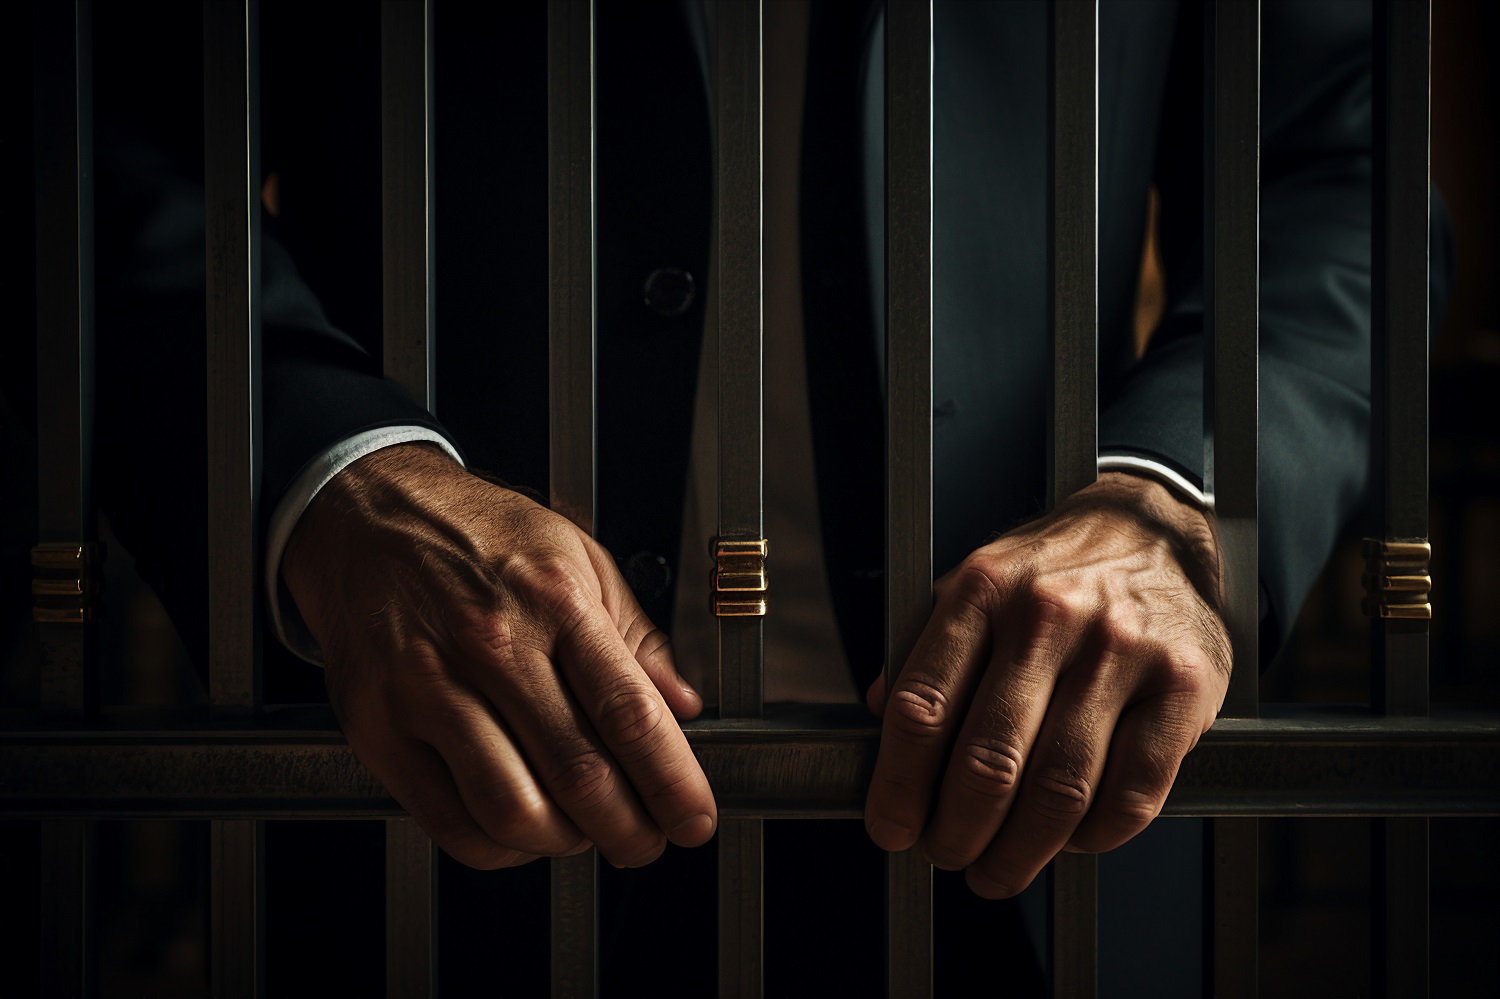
[1306, 765]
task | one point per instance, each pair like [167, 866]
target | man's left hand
[1067, 669]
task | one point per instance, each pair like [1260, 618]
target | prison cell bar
[1073, 421]
[908, 538]
[1231, 220]
[572, 428]
[406, 195]
[231, 122]
[65, 516]
[1400, 930]
[1313, 763]
[231, 119]
[407, 353]
[410, 910]
[738, 289]
[65, 336]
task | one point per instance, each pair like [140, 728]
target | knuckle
[1192, 672]
[1118, 629]
[919, 709]
[978, 584]
[523, 823]
[631, 721]
[582, 779]
[487, 634]
[1051, 602]
[1060, 794]
[989, 768]
[552, 584]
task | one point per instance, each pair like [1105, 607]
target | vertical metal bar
[908, 924]
[1399, 374]
[1231, 426]
[1074, 925]
[1400, 329]
[1231, 244]
[740, 907]
[231, 114]
[739, 284]
[410, 902]
[1073, 427]
[231, 104]
[738, 276]
[1231, 938]
[1400, 947]
[67, 869]
[570, 192]
[63, 120]
[65, 352]
[908, 219]
[575, 938]
[237, 908]
[406, 194]
[1072, 119]
[406, 261]
[571, 215]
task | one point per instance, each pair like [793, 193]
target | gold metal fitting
[738, 585]
[65, 581]
[1398, 579]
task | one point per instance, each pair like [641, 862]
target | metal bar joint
[738, 583]
[1397, 579]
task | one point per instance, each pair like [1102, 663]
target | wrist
[1188, 528]
[347, 509]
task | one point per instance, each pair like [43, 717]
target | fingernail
[693, 831]
[889, 836]
[1070, 848]
[987, 887]
[641, 861]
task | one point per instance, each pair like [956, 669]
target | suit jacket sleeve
[1315, 230]
[318, 385]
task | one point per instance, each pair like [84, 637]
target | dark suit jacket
[655, 186]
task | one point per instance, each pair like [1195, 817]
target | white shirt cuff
[286, 621]
[1169, 477]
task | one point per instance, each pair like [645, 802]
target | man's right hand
[488, 663]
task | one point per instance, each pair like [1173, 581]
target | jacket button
[669, 291]
[647, 574]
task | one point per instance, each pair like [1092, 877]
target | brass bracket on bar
[737, 585]
[66, 582]
[1398, 579]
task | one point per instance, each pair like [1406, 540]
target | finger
[637, 728]
[921, 717]
[414, 774]
[990, 755]
[1058, 781]
[652, 649]
[875, 695]
[1144, 757]
[567, 756]
[497, 787]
